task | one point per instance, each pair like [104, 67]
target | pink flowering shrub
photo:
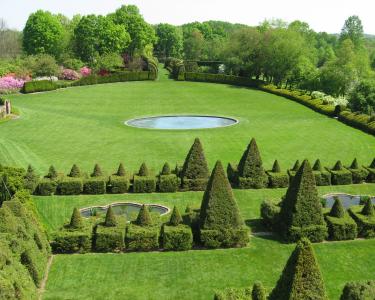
[68, 74]
[9, 83]
[85, 71]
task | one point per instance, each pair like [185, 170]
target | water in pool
[181, 122]
[346, 199]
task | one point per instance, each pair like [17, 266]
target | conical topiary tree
[195, 165]
[143, 170]
[75, 171]
[296, 166]
[110, 218]
[276, 167]
[144, 217]
[368, 209]
[97, 172]
[258, 292]
[250, 164]
[166, 169]
[121, 170]
[337, 209]
[301, 206]
[219, 208]
[372, 165]
[176, 218]
[52, 173]
[338, 166]
[76, 221]
[318, 166]
[354, 164]
[301, 277]
[31, 179]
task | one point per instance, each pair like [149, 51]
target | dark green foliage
[365, 223]
[317, 166]
[121, 170]
[97, 172]
[296, 166]
[70, 240]
[110, 218]
[232, 174]
[118, 184]
[343, 228]
[221, 78]
[341, 176]
[358, 120]
[28, 260]
[31, 179]
[168, 183]
[46, 187]
[301, 277]
[52, 173]
[276, 167]
[337, 209]
[322, 178]
[176, 218]
[195, 166]
[368, 209]
[76, 221]
[358, 291]
[227, 237]
[354, 164]
[166, 169]
[110, 239]
[70, 186]
[75, 172]
[258, 292]
[143, 170]
[144, 217]
[177, 238]
[144, 184]
[278, 180]
[233, 294]
[39, 86]
[372, 165]
[94, 186]
[141, 238]
[270, 213]
[117, 77]
[198, 184]
[338, 166]
[301, 209]
[250, 170]
[359, 174]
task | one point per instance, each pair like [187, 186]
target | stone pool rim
[168, 210]
[235, 121]
[347, 194]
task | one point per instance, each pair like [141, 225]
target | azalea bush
[85, 71]
[10, 84]
[69, 74]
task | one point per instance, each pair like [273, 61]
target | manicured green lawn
[84, 125]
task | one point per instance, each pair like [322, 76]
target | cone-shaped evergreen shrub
[52, 173]
[76, 219]
[354, 164]
[276, 167]
[301, 277]
[166, 169]
[372, 165]
[176, 218]
[296, 166]
[337, 209]
[368, 209]
[195, 165]
[301, 206]
[144, 217]
[143, 170]
[121, 170]
[251, 163]
[219, 209]
[110, 218]
[317, 166]
[258, 292]
[338, 166]
[97, 171]
[75, 171]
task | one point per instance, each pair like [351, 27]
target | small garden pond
[347, 200]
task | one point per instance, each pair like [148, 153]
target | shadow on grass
[259, 230]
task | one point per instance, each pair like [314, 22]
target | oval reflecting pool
[181, 122]
[127, 209]
[347, 200]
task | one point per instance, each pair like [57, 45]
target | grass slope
[84, 125]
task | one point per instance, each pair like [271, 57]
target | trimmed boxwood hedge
[198, 184]
[322, 178]
[366, 224]
[94, 186]
[359, 290]
[142, 238]
[70, 186]
[46, 187]
[39, 86]
[359, 175]
[277, 180]
[118, 184]
[341, 177]
[358, 120]
[341, 228]
[110, 239]
[73, 240]
[177, 238]
[168, 183]
[226, 237]
[144, 184]
[221, 78]
[270, 213]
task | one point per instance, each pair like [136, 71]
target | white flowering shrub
[317, 95]
[51, 78]
[327, 99]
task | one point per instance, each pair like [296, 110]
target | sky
[322, 15]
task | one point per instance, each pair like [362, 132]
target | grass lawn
[84, 125]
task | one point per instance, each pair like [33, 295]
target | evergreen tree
[219, 209]
[52, 173]
[76, 221]
[368, 209]
[338, 166]
[251, 163]
[301, 277]
[258, 292]
[276, 167]
[75, 171]
[31, 179]
[354, 164]
[121, 170]
[176, 218]
[296, 166]
[143, 170]
[337, 209]
[372, 165]
[144, 217]
[166, 169]
[97, 171]
[110, 218]
[195, 165]
[318, 166]
[301, 206]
